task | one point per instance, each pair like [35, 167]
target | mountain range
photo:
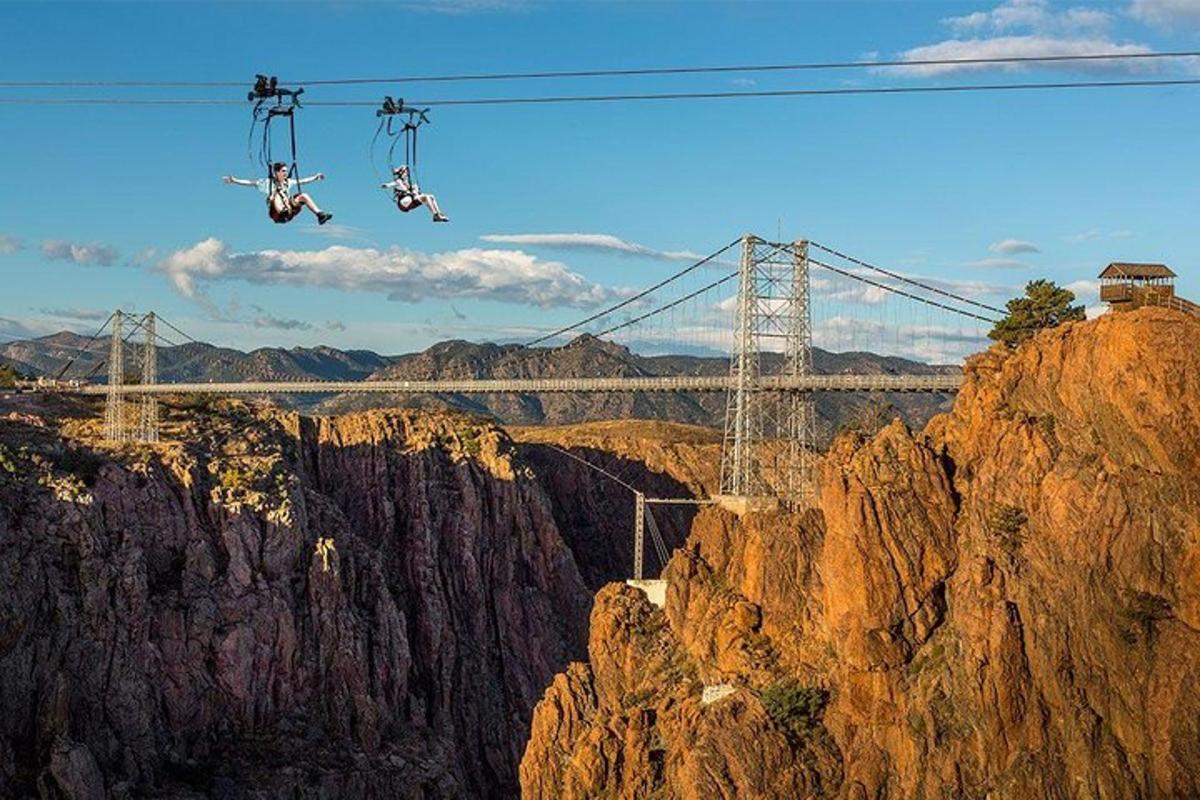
[585, 356]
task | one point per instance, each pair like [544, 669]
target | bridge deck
[688, 383]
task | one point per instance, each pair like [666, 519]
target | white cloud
[854, 292]
[1013, 246]
[335, 325]
[463, 7]
[996, 263]
[509, 276]
[590, 241]
[972, 289]
[1085, 236]
[265, 319]
[1169, 14]
[146, 257]
[1030, 46]
[826, 282]
[95, 253]
[1085, 290]
[1027, 29]
[335, 231]
[81, 314]
[932, 344]
[9, 245]
[17, 329]
[31, 328]
[1093, 234]
[1031, 14]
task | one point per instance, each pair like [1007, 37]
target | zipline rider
[282, 204]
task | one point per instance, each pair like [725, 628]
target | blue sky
[123, 206]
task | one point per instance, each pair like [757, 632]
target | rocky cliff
[595, 511]
[1005, 605]
[365, 606]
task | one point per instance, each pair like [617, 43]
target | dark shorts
[407, 202]
[280, 215]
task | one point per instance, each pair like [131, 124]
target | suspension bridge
[770, 315]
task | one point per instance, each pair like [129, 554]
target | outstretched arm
[238, 181]
[320, 176]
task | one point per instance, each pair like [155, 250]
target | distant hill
[195, 361]
[586, 356]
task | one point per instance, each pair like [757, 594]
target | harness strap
[411, 157]
[295, 171]
[395, 137]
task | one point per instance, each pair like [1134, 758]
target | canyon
[424, 604]
[272, 605]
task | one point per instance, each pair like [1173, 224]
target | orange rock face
[1006, 605]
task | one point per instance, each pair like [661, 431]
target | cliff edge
[1005, 605]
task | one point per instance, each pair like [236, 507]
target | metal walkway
[712, 383]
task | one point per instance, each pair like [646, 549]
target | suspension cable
[140, 324]
[670, 305]
[172, 327]
[81, 350]
[777, 247]
[587, 463]
[906, 279]
[660, 547]
[901, 292]
[629, 300]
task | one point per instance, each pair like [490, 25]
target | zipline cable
[809, 66]
[636, 71]
[612, 98]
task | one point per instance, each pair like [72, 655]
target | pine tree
[9, 376]
[1044, 305]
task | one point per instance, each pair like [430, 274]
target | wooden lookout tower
[1126, 286]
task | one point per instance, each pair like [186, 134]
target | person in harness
[282, 204]
[408, 195]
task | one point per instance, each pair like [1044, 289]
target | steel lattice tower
[769, 435]
[148, 408]
[114, 416]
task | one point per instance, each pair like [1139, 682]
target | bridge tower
[148, 408]
[114, 412]
[117, 428]
[769, 440]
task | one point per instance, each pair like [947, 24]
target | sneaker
[324, 217]
[440, 218]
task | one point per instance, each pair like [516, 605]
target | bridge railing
[686, 383]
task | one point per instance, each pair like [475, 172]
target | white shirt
[271, 187]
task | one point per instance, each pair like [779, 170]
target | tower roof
[1124, 269]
